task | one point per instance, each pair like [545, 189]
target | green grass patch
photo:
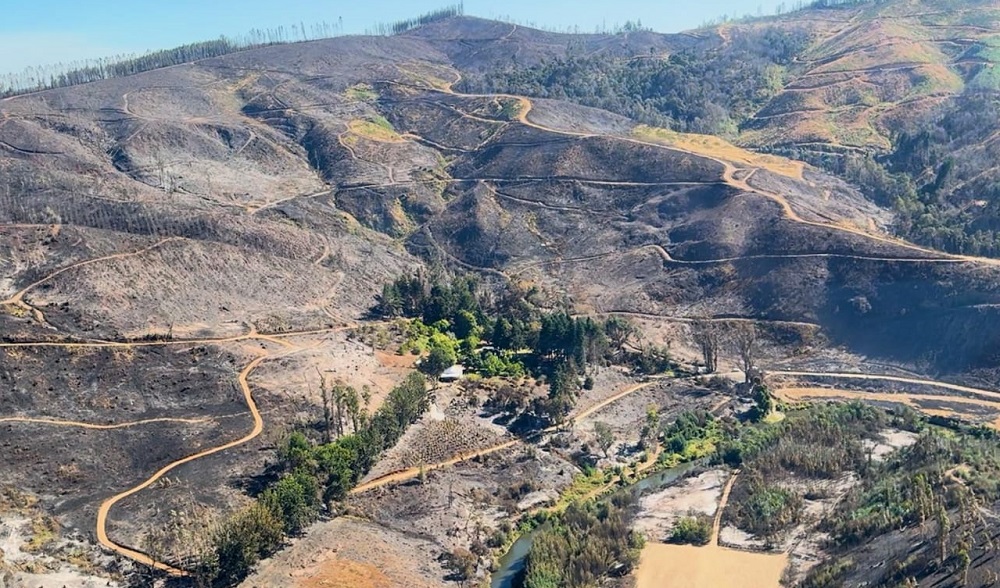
[382, 122]
[362, 93]
[989, 77]
[583, 485]
[774, 417]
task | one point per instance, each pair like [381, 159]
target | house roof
[454, 371]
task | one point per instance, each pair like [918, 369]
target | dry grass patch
[899, 52]
[375, 129]
[44, 530]
[244, 82]
[13, 500]
[710, 146]
[429, 74]
[15, 310]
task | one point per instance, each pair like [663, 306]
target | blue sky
[48, 31]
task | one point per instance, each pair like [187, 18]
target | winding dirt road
[105, 508]
[730, 172]
[78, 424]
[912, 400]
[609, 401]
[788, 393]
[242, 379]
[18, 298]
[256, 429]
[977, 399]
[728, 177]
[414, 472]
[253, 335]
[898, 379]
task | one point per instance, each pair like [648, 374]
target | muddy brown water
[688, 566]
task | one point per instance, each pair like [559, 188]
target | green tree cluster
[821, 442]
[688, 427]
[763, 508]
[583, 545]
[710, 92]
[313, 473]
[692, 530]
[940, 176]
[414, 296]
[450, 320]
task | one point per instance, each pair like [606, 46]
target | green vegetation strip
[309, 475]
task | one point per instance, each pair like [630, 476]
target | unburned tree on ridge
[605, 437]
[344, 397]
[620, 331]
[651, 427]
[352, 402]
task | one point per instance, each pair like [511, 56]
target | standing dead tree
[744, 338]
[708, 337]
[324, 391]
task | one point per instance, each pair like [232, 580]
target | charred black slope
[267, 150]
[281, 187]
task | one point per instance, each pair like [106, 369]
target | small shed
[452, 374]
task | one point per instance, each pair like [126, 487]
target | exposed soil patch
[340, 573]
[892, 440]
[699, 494]
[348, 553]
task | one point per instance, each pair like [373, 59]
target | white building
[452, 374]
